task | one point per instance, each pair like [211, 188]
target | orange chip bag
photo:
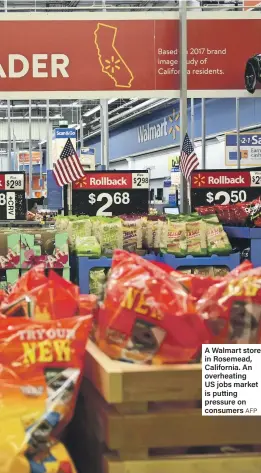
[232, 308]
[147, 316]
[41, 365]
[43, 297]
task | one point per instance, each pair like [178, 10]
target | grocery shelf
[85, 264]
[252, 234]
[231, 261]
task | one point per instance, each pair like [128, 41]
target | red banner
[124, 56]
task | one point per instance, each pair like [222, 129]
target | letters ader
[41, 66]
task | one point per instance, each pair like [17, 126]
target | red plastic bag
[147, 317]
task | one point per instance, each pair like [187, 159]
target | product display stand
[252, 234]
[131, 409]
[85, 264]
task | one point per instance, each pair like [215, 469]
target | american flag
[188, 159]
[68, 168]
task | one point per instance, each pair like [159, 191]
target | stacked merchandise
[40, 378]
[179, 235]
[152, 314]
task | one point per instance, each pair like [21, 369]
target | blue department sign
[250, 149]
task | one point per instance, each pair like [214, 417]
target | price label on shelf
[111, 193]
[12, 196]
[223, 187]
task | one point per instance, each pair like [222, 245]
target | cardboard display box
[9, 249]
[44, 246]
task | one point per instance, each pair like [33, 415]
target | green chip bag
[87, 246]
[217, 239]
[196, 237]
[177, 242]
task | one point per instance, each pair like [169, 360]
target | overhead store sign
[111, 193]
[250, 149]
[216, 187]
[104, 54]
[12, 196]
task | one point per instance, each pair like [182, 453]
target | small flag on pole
[188, 159]
[68, 168]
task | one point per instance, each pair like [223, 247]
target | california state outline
[110, 59]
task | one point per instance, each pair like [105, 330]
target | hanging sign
[12, 196]
[106, 49]
[24, 158]
[250, 149]
[214, 187]
[60, 138]
[111, 193]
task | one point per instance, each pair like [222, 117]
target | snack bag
[79, 228]
[156, 232]
[232, 308]
[177, 242]
[110, 235]
[87, 246]
[205, 210]
[41, 366]
[217, 239]
[97, 281]
[43, 298]
[147, 317]
[132, 232]
[204, 271]
[196, 237]
[220, 271]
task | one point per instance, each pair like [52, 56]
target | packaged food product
[97, 282]
[110, 235]
[232, 308]
[79, 228]
[217, 239]
[204, 271]
[156, 232]
[41, 366]
[132, 232]
[42, 297]
[177, 242]
[87, 246]
[196, 237]
[205, 210]
[147, 317]
[220, 271]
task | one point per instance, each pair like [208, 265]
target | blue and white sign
[60, 137]
[250, 149]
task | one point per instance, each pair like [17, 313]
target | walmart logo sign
[168, 126]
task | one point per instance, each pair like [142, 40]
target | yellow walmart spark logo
[174, 127]
[199, 180]
[111, 62]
